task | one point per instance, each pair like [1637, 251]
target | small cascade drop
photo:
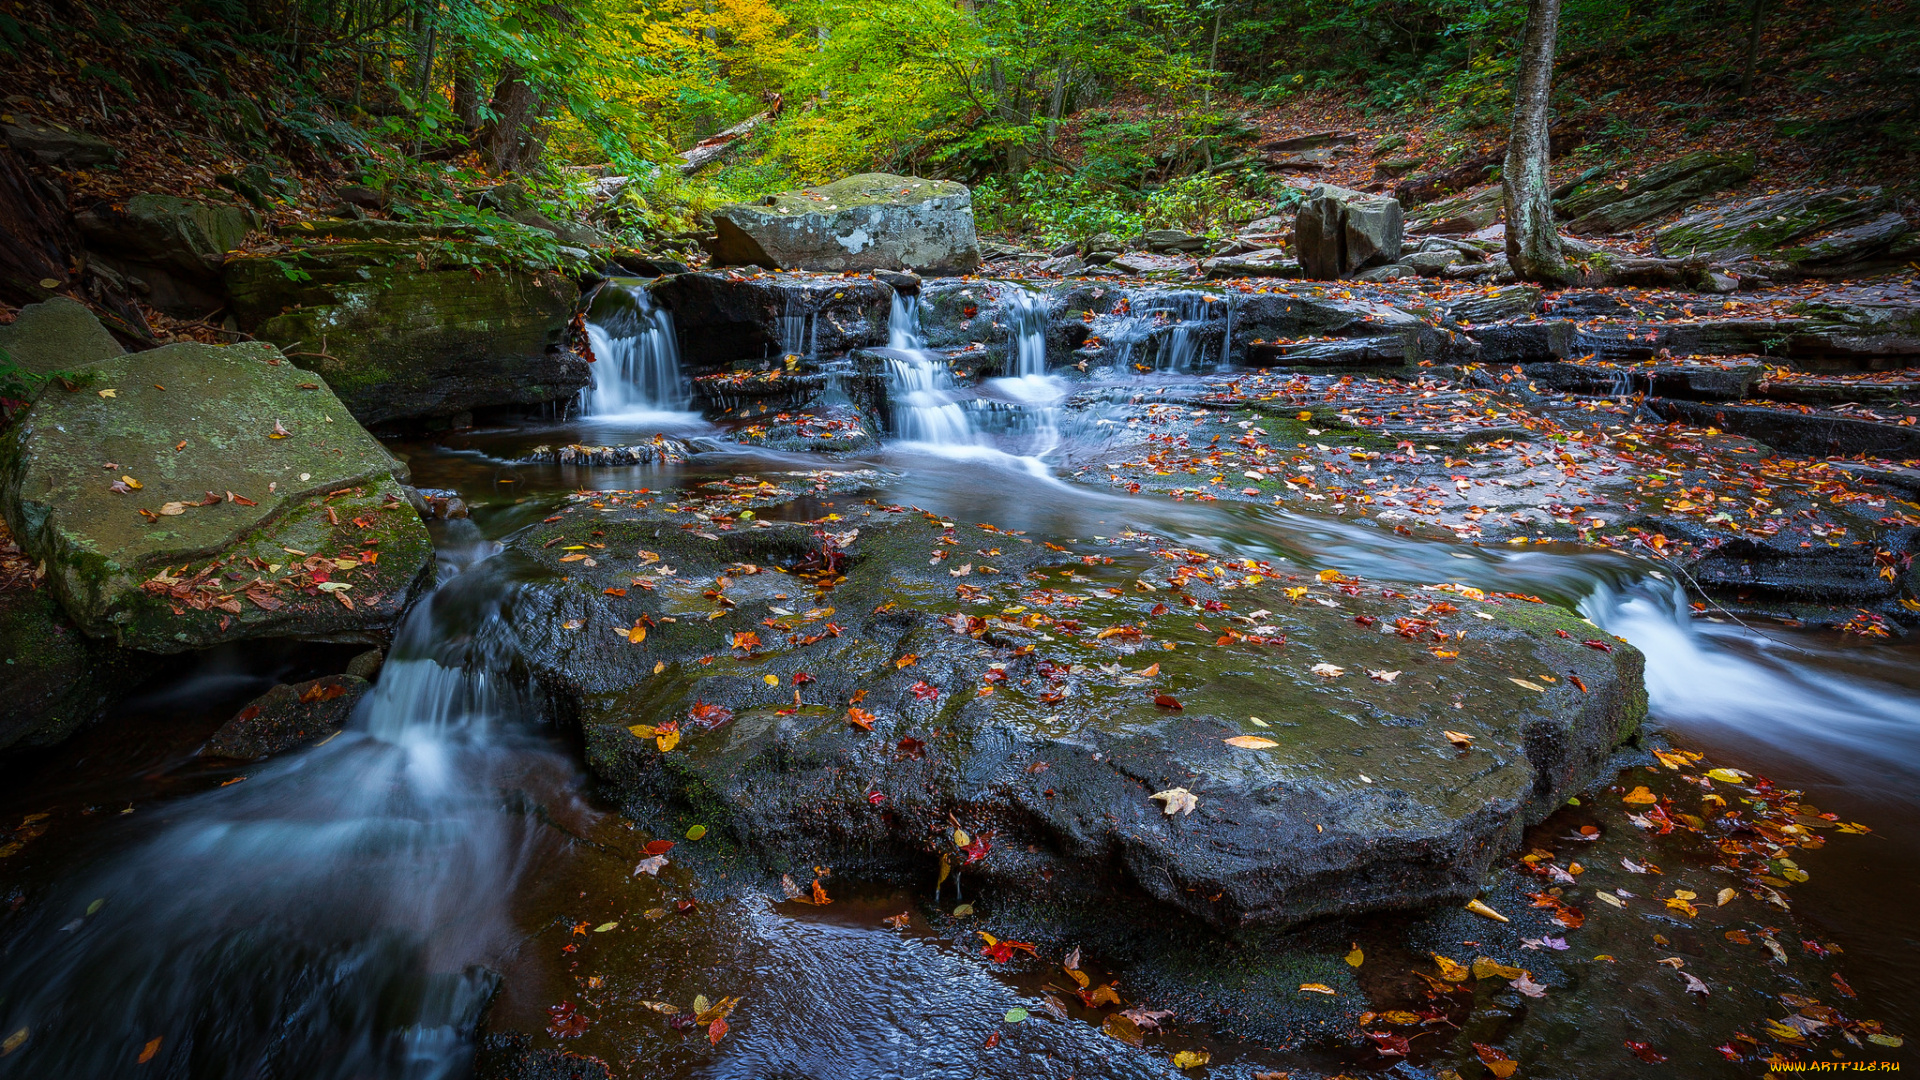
[637, 358]
[1168, 331]
[798, 332]
[1027, 319]
[926, 403]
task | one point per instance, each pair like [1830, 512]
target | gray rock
[59, 147]
[1714, 281]
[1165, 240]
[1512, 302]
[1389, 272]
[1851, 243]
[1135, 262]
[1104, 241]
[54, 679]
[238, 464]
[1768, 224]
[367, 665]
[1467, 213]
[871, 221]
[1698, 178]
[1064, 265]
[1338, 232]
[290, 715]
[1432, 262]
[724, 318]
[57, 335]
[902, 280]
[1266, 262]
[183, 236]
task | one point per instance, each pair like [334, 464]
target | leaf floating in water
[1640, 796]
[1328, 671]
[1191, 1059]
[1119, 1026]
[1496, 1060]
[147, 1051]
[1356, 957]
[1451, 970]
[1015, 1015]
[651, 866]
[565, 1021]
[657, 847]
[606, 926]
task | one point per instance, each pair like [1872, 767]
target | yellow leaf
[109, 393]
[1356, 957]
[604, 927]
[644, 731]
[1879, 1039]
[669, 740]
[1251, 742]
[960, 838]
[1640, 796]
[770, 680]
[131, 482]
[1611, 899]
[1458, 739]
[1401, 1017]
[1330, 575]
[1525, 685]
[1450, 970]
[1486, 967]
[1726, 776]
[1316, 988]
[1191, 1059]
[1727, 896]
[1479, 908]
[638, 634]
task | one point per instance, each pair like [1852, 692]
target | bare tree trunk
[1057, 101]
[1213, 55]
[1753, 46]
[1533, 247]
[466, 92]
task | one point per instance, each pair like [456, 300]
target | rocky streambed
[1249, 678]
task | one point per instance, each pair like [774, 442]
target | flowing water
[343, 910]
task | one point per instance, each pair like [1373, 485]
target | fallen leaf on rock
[147, 1051]
[657, 847]
[1458, 739]
[1527, 986]
[1015, 1015]
[1356, 957]
[1119, 1026]
[1726, 896]
[1727, 776]
[650, 866]
[606, 926]
[1251, 742]
[279, 431]
[1383, 676]
[1451, 970]
[1486, 967]
[1178, 800]
[1167, 701]
[1317, 988]
[1328, 671]
[1525, 685]
[1640, 796]
[1191, 1059]
[1479, 908]
[1645, 1052]
[860, 718]
[1496, 1060]
[637, 634]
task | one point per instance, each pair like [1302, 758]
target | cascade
[637, 359]
[926, 402]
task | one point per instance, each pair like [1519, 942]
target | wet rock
[288, 716]
[367, 665]
[903, 281]
[1608, 209]
[173, 248]
[1849, 245]
[1338, 232]
[1144, 264]
[1389, 272]
[1511, 302]
[661, 452]
[238, 465]
[725, 317]
[401, 333]
[1264, 262]
[437, 504]
[1265, 325]
[873, 221]
[54, 679]
[1050, 753]
[1768, 224]
[512, 1056]
[57, 335]
[60, 147]
[1796, 432]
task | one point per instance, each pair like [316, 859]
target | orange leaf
[147, 1051]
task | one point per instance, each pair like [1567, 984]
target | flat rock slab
[1031, 695]
[56, 335]
[236, 530]
[873, 221]
[289, 715]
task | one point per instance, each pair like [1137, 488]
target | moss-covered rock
[54, 679]
[262, 509]
[873, 221]
[1769, 223]
[405, 330]
[1041, 698]
[56, 335]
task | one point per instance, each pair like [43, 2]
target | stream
[349, 909]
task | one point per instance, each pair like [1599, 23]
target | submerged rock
[196, 494]
[400, 332]
[1043, 715]
[873, 221]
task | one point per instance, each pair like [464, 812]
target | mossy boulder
[873, 221]
[56, 335]
[262, 509]
[1040, 698]
[169, 249]
[1606, 208]
[409, 330]
[54, 679]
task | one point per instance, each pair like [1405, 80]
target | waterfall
[636, 357]
[926, 403]
[328, 914]
[798, 332]
[1027, 321]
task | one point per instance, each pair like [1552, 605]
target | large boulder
[60, 147]
[55, 679]
[1608, 208]
[1044, 719]
[261, 509]
[873, 221]
[56, 335]
[402, 331]
[171, 249]
[1339, 232]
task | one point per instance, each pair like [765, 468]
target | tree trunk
[1057, 101]
[466, 93]
[509, 141]
[1753, 46]
[1533, 247]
